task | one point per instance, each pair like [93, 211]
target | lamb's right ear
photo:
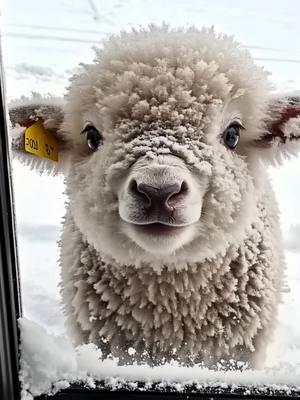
[34, 132]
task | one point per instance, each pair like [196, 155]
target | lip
[159, 229]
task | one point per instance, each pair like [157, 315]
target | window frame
[10, 297]
[11, 310]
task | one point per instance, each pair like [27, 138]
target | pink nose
[164, 197]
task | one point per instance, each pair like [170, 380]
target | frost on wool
[171, 239]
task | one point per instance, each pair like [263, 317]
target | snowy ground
[42, 45]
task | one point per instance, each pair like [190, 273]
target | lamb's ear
[34, 132]
[280, 136]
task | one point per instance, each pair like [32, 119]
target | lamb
[171, 245]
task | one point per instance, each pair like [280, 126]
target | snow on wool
[171, 243]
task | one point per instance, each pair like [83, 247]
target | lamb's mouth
[159, 229]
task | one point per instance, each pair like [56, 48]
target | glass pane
[171, 252]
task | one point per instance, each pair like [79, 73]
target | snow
[49, 363]
[40, 53]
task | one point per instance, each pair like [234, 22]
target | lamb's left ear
[34, 132]
[280, 137]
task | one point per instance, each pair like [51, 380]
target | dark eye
[231, 135]
[93, 137]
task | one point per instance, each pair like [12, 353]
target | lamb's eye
[93, 137]
[231, 135]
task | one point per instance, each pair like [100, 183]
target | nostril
[184, 188]
[176, 197]
[137, 191]
[133, 187]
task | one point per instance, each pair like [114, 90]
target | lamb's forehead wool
[174, 76]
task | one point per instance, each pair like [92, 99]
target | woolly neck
[204, 311]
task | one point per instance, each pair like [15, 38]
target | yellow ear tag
[40, 142]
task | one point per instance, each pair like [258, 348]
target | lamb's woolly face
[161, 191]
[158, 141]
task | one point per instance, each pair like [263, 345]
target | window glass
[43, 44]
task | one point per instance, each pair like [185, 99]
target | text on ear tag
[40, 142]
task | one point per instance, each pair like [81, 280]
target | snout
[160, 194]
[161, 198]
[155, 195]
[159, 205]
